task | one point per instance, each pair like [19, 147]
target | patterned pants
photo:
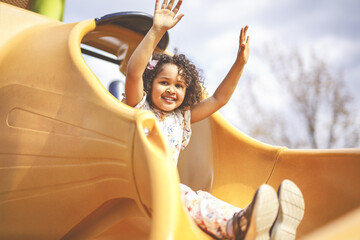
[210, 213]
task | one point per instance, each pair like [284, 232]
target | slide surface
[76, 163]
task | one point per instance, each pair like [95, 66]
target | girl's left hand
[243, 53]
[164, 16]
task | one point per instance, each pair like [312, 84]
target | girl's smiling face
[168, 88]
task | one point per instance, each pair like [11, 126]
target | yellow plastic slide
[76, 163]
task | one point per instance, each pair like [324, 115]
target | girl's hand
[164, 17]
[243, 53]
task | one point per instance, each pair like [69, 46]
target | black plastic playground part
[136, 21]
[100, 56]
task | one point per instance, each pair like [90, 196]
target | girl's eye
[164, 83]
[179, 86]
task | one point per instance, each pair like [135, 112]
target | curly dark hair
[187, 70]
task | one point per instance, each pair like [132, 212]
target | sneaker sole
[291, 211]
[264, 213]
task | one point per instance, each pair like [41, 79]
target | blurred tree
[53, 8]
[50, 8]
[317, 110]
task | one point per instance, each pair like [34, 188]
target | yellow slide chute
[76, 163]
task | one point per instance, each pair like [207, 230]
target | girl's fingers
[164, 5]
[178, 18]
[177, 7]
[241, 36]
[245, 31]
[156, 5]
[171, 4]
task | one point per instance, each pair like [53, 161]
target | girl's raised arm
[227, 87]
[164, 19]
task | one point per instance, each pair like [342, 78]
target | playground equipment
[76, 163]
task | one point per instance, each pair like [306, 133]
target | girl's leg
[224, 220]
[210, 213]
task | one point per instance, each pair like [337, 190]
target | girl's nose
[169, 90]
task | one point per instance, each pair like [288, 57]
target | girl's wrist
[240, 62]
[158, 30]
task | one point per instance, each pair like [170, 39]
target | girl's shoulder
[185, 112]
[185, 117]
[143, 104]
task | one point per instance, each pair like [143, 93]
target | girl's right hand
[244, 42]
[164, 17]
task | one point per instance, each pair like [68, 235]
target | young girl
[170, 87]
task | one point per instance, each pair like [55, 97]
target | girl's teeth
[169, 99]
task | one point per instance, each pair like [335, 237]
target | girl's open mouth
[169, 99]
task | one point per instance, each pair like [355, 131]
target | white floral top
[174, 125]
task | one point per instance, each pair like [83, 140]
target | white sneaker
[291, 211]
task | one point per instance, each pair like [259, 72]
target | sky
[208, 35]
